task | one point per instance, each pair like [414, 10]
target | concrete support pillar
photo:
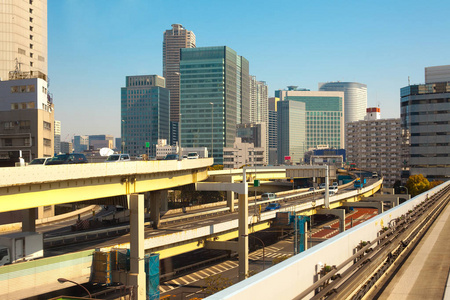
[155, 204]
[230, 197]
[29, 219]
[243, 233]
[137, 266]
[337, 212]
[164, 200]
[375, 204]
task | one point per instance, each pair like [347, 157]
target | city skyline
[94, 46]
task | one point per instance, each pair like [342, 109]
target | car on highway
[63, 159]
[268, 196]
[171, 157]
[39, 161]
[192, 155]
[118, 158]
[322, 185]
[335, 184]
[272, 206]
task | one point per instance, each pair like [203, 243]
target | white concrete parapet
[291, 277]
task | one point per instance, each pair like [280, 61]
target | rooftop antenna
[409, 81]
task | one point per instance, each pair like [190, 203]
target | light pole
[122, 135]
[212, 129]
[63, 280]
[264, 246]
[402, 186]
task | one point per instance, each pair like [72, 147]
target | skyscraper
[291, 131]
[259, 113]
[425, 114]
[272, 131]
[324, 116]
[355, 97]
[24, 39]
[214, 97]
[145, 113]
[175, 39]
[57, 137]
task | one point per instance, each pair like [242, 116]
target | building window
[31, 19]
[31, 46]
[21, 51]
[31, 63]
[24, 124]
[31, 28]
[31, 54]
[8, 142]
[26, 142]
[31, 36]
[47, 126]
[31, 10]
[47, 142]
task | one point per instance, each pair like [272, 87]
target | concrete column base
[29, 220]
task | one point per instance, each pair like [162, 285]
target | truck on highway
[20, 246]
[359, 183]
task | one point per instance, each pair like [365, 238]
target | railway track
[384, 255]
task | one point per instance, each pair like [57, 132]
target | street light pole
[212, 129]
[63, 280]
[264, 246]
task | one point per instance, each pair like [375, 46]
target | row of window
[22, 124]
[431, 155]
[22, 105]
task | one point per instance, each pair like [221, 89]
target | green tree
[417, 184]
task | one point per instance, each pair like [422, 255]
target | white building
[162, 149]
[243, 154]
[376, 145]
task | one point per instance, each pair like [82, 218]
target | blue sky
[93, 45]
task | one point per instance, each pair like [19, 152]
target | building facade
[324, 116]
[376, 145]
[425, 116]
[80, 143]
[214, 97]
[145, 114]
[243, 154]
[26, 120]
[355, 97]
[57, 138]
[99, 141]
[66, 147]
[174, 40]
[23, 53]
[272, 131]
[255, 133]
[291, 131]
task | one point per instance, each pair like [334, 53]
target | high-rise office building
[23, 50]
[291, 131]
[26, 120]
[175, 39]
[145, 114]
[80, 143]
[256, 134]
[375, 144]
[214, 97]
[57, 141]
[66, 147]
[272, 131]
[324, 116]
[101, 141]
[425, 114]
[259, 102]
[355, 97]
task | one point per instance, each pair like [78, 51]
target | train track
[385, 254]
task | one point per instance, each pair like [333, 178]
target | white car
[192, 155]
[118, 157]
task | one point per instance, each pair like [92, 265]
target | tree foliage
[417, 184]
[435, 183]
[216, 283]
[215, 168]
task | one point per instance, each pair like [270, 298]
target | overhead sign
[147, 144]
[287, 158]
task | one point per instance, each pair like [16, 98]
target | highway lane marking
[191, 278]
[185, 281]
[204, 273]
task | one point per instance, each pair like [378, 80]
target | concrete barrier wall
[23, 280]
[291, 277]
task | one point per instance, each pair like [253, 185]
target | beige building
[375, 145]
[26, 120]
[175, 39]
[243, 154]
[23, 39]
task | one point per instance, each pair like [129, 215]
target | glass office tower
[145, 113]
[291, 131]
[324, 116]
[214, 97]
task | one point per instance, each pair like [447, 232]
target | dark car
[62, 159]
[272, 206]
[171, 157]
